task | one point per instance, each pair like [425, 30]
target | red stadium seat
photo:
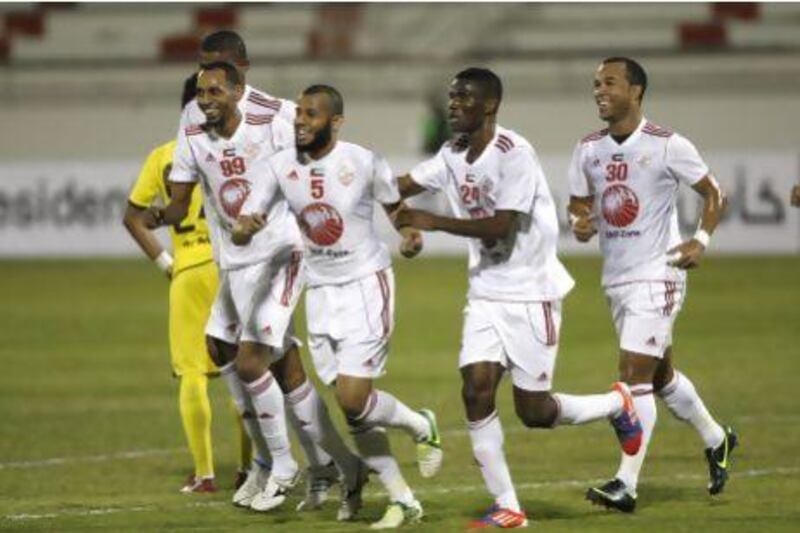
[179, 48]
[216, 18]
[29, 23]
[703, 35]
[733, 10]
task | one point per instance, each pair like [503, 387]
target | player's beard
[321, 139]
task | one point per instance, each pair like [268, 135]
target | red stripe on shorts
[550, 328]
[291, 276]
[384, 283]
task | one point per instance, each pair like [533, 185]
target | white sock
[385, 410]
[645, 405]
[682, 399]
[580, 409]
[267, 400]
[245, 407]
[314, 425]
[487, 446]
[373, 446]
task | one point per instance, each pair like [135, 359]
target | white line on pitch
[57, 461]
[751, 473]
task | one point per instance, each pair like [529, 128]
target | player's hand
[411, 244]
[251, 224]
[153, 217]
[686, 255]
[796, 196]
[416, 218]
[583, 226]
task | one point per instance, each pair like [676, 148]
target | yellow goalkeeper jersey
[190, 240]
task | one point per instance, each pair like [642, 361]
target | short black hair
[337, 102]
[225, 41]
[486, 78]
[232, 75]
[633, 70]
[189, 90]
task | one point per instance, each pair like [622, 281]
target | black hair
[488, 80]
[225, 41]
[633, 71]
[189, 90]
[335, 97]
[232, 75]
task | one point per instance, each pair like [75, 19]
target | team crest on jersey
[321, 223]
[644, 161]
[232, 195]
[251, 150]
[346, 176]
[620, 206]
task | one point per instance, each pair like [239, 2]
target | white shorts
[349, 326]
[255, 303]
[521, 336]
[644, 313]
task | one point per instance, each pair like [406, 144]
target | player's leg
[641, 313]
[482, 363]
[191, 294]
[369, 412]
[530, 333]
[683, 401]
[325, 450]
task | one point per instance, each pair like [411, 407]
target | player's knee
[478, 395]
[538, 412]
[352, 405]
[288, 371]
[251, 363]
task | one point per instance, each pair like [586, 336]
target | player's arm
[581, 217]
[135, 224]
[253, 215]
[408, 187]
[496, 227]
[689, 253]
[175, 211]
[246, 226]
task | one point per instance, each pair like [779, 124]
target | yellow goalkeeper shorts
[191, 294]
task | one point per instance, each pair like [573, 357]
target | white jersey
[635, 185]
[228, 170]
[334, 201]
[506, 176]
[253, 101]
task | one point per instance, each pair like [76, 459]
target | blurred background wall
[86, 90]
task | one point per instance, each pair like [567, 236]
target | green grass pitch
[90, 436]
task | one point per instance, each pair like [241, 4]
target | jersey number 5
[232, 167]
[317, 188]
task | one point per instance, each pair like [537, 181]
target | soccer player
[497, 189]
[229, 47]
[623, 185]
[331, 186]
[193, 284]
[260, 283]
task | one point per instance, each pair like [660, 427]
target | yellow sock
[196, 416]
[245, 445]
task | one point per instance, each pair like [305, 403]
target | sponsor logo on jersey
[619, 205]
[293, 175]
[321, 223]
[232, 195]
[210, 158]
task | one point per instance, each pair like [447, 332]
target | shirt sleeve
[282, 133]
[184, 165]
[579, 184]
[287, 111]
[384, 183]
[145, 189]
[263, 190]
[520, 175]
[431, 174]
[684, 161]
